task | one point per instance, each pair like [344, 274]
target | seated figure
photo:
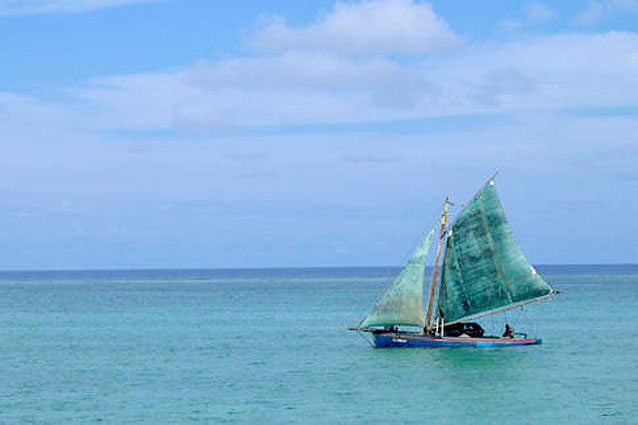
[509, 331]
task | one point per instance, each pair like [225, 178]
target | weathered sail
[402, 302]
[484, 269]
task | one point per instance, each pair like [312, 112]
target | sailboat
[484, 272]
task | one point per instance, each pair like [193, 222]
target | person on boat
[509, 331]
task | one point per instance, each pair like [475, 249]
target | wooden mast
[436, 268]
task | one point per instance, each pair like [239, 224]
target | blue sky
[168, 133]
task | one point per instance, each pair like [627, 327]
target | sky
[188, 133]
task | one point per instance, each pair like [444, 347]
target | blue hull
[388, 340]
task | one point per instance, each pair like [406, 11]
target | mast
[436, 267]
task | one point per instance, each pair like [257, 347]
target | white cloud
[316, 86]
[32, 119]
[298, 88]
[142, 101]
[538, 12]
[369, 26]
[292, 88]
[502, 83]
[29, 7]
[571, 70]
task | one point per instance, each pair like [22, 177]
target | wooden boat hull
[389, 340]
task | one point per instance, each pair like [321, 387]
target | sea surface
[271, 347]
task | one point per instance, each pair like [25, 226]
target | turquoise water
[270, 346]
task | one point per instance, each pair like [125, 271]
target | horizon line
[136, 269]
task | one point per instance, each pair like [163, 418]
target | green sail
[484, 269]
[402, 302]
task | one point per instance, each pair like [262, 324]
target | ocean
[271, 347]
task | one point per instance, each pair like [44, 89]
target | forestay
[402, 302]
[484, 268]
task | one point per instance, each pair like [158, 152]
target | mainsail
[402, 302]
[484, 269]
